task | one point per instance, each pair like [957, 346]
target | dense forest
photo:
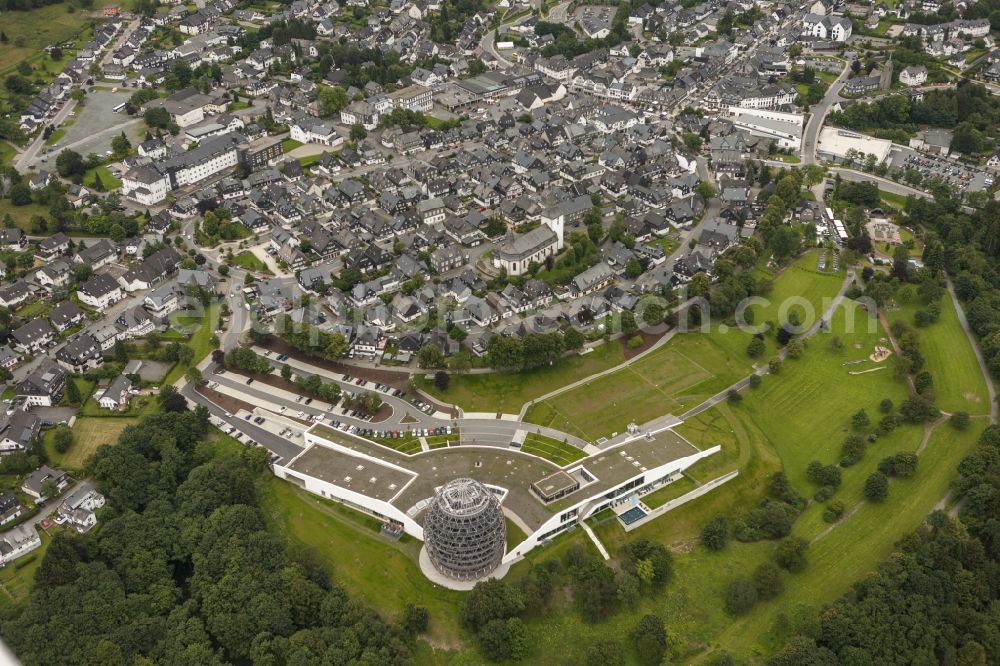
[184, 570]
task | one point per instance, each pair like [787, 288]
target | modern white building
[546, 500]
[18, 542]
[783, 128]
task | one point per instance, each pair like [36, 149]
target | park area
[958, 382]
[682, 373]
[801, 413]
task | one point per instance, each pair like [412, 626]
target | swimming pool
[632, 515]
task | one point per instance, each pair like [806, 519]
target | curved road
[818, 116]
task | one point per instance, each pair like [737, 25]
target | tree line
[186, 570]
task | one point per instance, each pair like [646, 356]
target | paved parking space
[951, 172]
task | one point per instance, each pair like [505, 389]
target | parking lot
[949, 171]
[95, 124]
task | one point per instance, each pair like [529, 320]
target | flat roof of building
[505, 467]
[837, 142]
[367, 477]
[554, 484]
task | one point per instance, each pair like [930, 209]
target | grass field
[798, 288]
[200, 343]
[6, 153]
[553, 450]
[507, 392]
[288, 145]
[958, 383]
[792, 418]
[382, 572]
[897, 201]
[671, 491]
[22, 214]
[89, 432]
[31, 31]
[680, 374]
[109, 180]
[689, 368]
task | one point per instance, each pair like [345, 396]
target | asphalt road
[818, 116]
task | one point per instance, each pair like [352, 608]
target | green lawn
[109, 181]
[309, 160]
[805, 412]
[560, 453]
[798, 288]
[783, 157]
[22, 214]
[384, 573]
[56, 135]
[408, 443]
[689, 368]
[7, 153]
[793, 417]
[958, 383]
[678, 375]
[671, 491]
[200, 343]
[250, 262]
[897, 201]
[89, 432]
[288, 145]
[36, 29]
[507, 392]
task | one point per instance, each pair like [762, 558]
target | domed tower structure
[464, 532]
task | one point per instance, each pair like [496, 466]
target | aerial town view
[452, 332]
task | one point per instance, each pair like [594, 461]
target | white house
[833, 28]
[78, 509]
[914, 75]
[17, 542]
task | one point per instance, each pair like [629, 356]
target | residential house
[44, 386]
[78, 509]
[34, 484]
[100, 291]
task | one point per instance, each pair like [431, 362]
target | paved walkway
[597, 542]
